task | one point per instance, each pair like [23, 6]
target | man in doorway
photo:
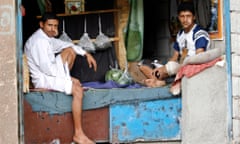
[50, 60]
[191, 40]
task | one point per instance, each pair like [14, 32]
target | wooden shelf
[87, 12]
[113, 39]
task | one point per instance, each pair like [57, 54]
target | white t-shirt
[194, 39]
[47, 70]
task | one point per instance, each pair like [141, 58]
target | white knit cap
[172, 67]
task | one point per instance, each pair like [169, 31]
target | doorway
[157, 38]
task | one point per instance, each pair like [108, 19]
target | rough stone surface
[236, 131]
[234, 5]
[235, 22]
[235, 39]
[235, 86]
[204, 107]
[8, 74]
[235, 62]
[236, 107]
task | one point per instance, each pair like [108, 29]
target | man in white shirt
[191, 40]
[50, 60]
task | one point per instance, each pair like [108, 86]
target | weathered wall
[235, 48]
[122, 17]
[8, 81]
[204, 107]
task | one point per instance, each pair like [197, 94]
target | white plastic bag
[85, 41]
[102, 41]
[64, 35]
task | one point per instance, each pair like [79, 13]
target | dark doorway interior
[74, 27]
[74, 24]
[157, 40]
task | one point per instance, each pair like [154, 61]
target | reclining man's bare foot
[82, 140]
[154, 82]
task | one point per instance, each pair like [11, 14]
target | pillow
[204, 56]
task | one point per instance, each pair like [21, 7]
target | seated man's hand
[91, 61]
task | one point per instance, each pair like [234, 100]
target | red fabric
[23, 11]
[189, 71]
[193, 69]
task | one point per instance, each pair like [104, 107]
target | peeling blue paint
[146, 121]
[229, 66]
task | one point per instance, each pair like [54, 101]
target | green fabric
[134, 31]
[41, 5]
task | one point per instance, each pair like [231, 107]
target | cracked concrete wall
[8, 80]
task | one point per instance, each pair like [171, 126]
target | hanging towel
[134, 32]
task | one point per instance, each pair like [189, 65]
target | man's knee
[68, 51]
[77, 91]
[68, 54]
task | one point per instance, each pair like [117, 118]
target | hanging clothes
[41, 5]
[48, 6]
[203, 12]
[174, 24]
[134, 31]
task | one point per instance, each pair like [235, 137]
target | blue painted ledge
[59, 103]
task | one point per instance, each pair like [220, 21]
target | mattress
[59, 103]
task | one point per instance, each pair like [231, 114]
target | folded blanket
[189, 71]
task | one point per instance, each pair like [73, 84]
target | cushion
[204, 56]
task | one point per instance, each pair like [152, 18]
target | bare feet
[82, 140]
[154, 82]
